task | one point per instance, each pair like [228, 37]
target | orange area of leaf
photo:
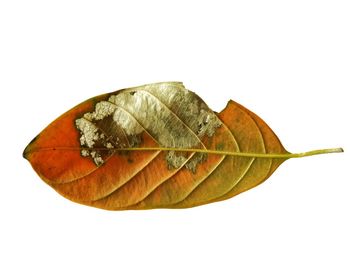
[143, 179]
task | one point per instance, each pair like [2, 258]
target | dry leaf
[155, 146]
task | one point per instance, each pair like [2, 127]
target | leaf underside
[84, 153]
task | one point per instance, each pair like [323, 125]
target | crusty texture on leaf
[153, 146]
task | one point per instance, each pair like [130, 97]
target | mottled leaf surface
[131, 149]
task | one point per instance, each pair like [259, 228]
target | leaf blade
[155, 146]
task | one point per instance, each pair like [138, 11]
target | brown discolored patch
[174, 116]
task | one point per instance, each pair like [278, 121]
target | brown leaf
[155, 146]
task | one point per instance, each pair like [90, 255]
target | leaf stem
[316, 152]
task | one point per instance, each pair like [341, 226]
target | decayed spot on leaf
[172, 115]
[155, 146]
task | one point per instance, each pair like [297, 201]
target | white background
[288, 61]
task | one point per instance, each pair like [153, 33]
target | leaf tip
[28, 149]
